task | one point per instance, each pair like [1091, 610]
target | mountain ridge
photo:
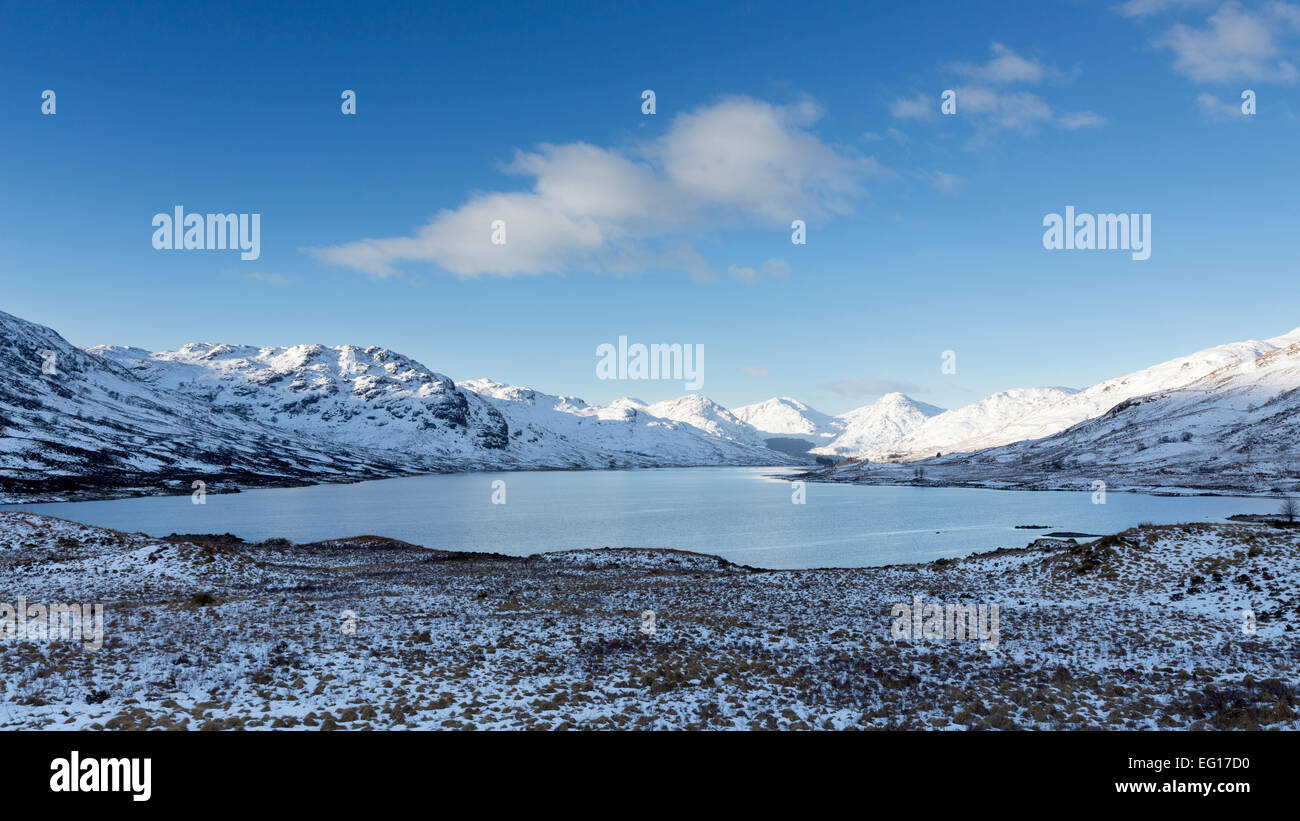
[1232, 426]
[115, 417]
[116, 420]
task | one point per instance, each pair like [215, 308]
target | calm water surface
[741, 514]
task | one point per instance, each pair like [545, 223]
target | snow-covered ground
[1144, 629]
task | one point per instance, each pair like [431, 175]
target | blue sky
[924, 230]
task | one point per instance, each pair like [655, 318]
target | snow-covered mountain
[1092, 402]
[861, 431]
[1229, 419]
[703, 413]
[1239, 419]
[549, 430]
[783, 417]
[952, 430]
[74, 422]
[111, 418]
[878, 425]
[371, 397]
[377, 398]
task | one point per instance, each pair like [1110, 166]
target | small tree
[1289, 510]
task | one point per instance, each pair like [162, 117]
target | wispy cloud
[743, 274]
[1218, 109]
[891, 134]
[945, 183]
[776, 268]
[918, 107]
[754, 370]
[987, 97]
[739, 161]
[1147, 8]
[1237, 45]
[1005, 67]
[1080, 119]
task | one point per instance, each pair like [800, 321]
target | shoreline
[1232, 491]
[178, 485]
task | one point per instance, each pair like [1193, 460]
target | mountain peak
[870, 427]
[786, 417]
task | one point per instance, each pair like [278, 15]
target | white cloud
[945, 183]
[1022, 111]
[736, 161]
[1236, 45]
[754, 370]
[1285, 12]
[1218, 109]
[758, 158]
[1147, 8]
[989, 101]
[888, 134]
[919, 107]
[1016, 110]
[1080, 119]
[776, 268]
[1005, 67]
[743, 274]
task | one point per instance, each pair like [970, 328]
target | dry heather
[1143, 629]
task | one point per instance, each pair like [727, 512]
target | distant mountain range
[859, 431]
[1223, 419]
[115, 420]
[112, 420]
